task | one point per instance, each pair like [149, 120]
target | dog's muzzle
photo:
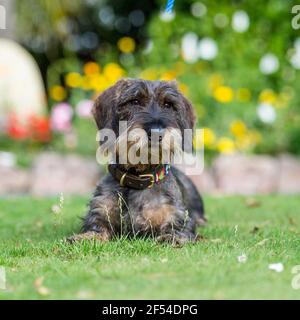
[156, 134]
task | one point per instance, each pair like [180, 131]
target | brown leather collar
[141, 181]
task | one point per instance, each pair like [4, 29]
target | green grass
[31, 247]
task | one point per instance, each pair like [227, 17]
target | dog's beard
[134, 150]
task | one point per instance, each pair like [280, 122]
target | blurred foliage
[236, 66]
[79, 28]
[230, 91]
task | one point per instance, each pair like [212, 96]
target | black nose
[156, 133]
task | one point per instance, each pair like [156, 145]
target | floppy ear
[104, 106]
[102, 110]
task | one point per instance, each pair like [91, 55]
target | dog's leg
[168, 222]
[178, 239]
[180, 231]
[103, 219]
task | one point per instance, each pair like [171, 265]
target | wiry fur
[169, 211]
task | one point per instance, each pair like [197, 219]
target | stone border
[53, 174]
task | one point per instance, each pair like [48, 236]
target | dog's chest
[151, 208]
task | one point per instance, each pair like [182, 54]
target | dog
[144, 199]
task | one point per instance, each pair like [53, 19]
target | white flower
[198, 9]
[240, 21]
[278, 267]
[295, 59]
[269, 63]
[167, 16]
[266, 113]
[207, 49]
[189, 47]
[242, 259]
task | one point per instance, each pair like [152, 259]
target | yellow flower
[73, 80]
[168, 75]
[244, 142]
[226, 145]
[215, 80]
[255, 137]
[113, 72]
[86, 83]
[268, 96]
[91, 68]
[238, 128]
[183, 88]
[243, 94]
[223, 94]
[248, 140]
[99, 83]
[209, 138]
[126, 45]
[204, 137]
[58, 93]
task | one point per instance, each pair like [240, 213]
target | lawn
[40, 265]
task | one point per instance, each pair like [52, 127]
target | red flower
[35, 128]
[15, 129]
[40, 129]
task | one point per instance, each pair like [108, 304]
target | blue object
[170, 5]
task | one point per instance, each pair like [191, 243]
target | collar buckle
[122, 179]
[152, 179]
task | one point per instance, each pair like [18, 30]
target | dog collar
[141, 181]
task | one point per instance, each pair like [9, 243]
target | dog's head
[156, 114]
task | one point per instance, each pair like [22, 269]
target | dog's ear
[104, 106]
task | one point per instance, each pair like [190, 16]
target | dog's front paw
[173, 239]
[90, 235]
[178, 240]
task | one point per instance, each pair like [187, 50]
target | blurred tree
[52, 29]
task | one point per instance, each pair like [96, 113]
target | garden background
[237, 61]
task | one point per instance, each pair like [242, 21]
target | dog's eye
[135, 102]
[168, 104]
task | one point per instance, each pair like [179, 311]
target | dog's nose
[156, 132]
